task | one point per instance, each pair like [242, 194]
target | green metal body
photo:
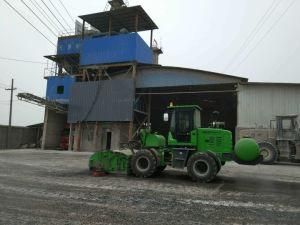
[111, 161]
[186, 126]
[150, 140]
[246, 149]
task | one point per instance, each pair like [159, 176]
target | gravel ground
[50, 187]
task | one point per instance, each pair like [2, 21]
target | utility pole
[11, 89]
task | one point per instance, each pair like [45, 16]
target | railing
[51, 69]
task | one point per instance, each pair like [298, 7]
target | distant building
[110, 80]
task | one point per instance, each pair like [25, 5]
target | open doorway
[211, 99]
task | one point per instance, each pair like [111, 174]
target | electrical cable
[13, 8]
[53, 15]
[254, 32]
[71, 17]
[59, 14]
[55, 35]
[265, 35]
[45, 15]
[21, 60]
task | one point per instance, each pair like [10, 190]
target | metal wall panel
[259, 103]
[105, 101]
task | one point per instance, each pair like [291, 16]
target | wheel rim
[265, 153]
[201, 168]
[143, 164]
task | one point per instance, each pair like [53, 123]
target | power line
[13, 8]
[71, 17]
[265, 35]
[55, 35]
[53, 15]
[45, 15]
[59, 14]
[21, 60]
[254, 32]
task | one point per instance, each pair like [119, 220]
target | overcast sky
[257, 39]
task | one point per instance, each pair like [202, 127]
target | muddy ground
[50, 187]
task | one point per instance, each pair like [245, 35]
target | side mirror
[166, 117]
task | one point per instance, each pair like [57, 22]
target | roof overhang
[134, 19]
[72, 59]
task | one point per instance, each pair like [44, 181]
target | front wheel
[143, 163]
[202, 167]
[269, 153]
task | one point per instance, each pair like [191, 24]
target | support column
[130, 128]
[78, 137]
[71, 138]
[149, 110]
[151, 39]
[109, 26]
[83, 30]
[96, 133]
[136, 22]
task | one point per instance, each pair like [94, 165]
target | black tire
[143, 163]
[269, 153]
[218, 161]
[202, 167]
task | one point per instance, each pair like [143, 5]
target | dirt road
[50, 187]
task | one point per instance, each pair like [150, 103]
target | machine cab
[287, 127]
[183, 120]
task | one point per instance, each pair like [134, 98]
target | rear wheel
[269, 153]
[202, 167]
[143, 163]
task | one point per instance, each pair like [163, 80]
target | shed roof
[167, 76]
[124, 17]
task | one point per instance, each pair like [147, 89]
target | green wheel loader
[203, 151]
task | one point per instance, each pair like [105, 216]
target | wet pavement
[50, 187]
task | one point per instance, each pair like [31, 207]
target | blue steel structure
[115, 49]
[59, 88]
[91, 55]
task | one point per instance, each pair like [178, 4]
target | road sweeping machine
[203, 151]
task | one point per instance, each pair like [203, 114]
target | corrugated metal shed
[258, 103]
[105, 101]
[162, 76]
